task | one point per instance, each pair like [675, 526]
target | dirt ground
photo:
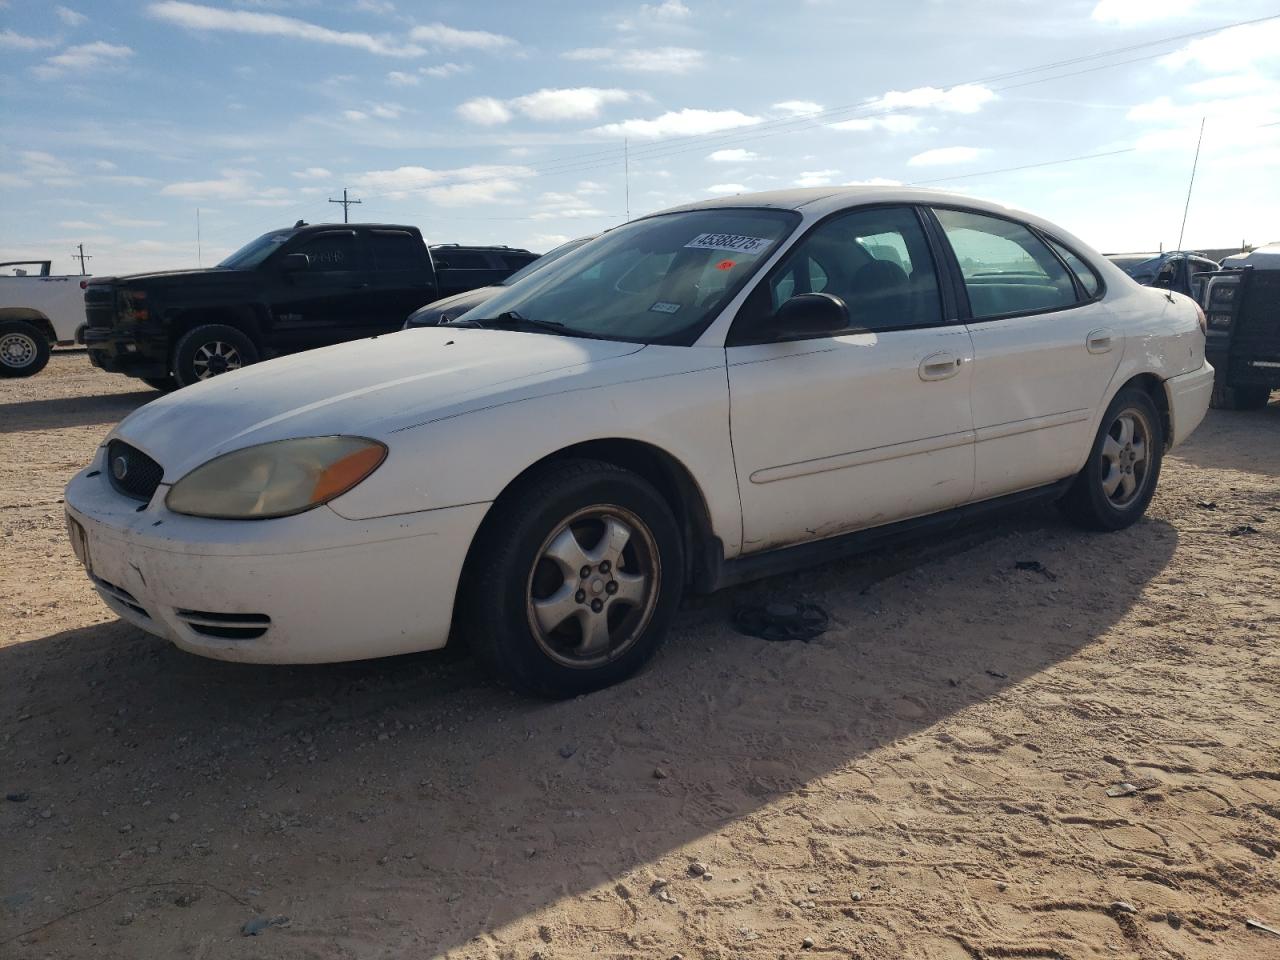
[927, 780]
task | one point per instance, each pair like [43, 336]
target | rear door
[400, 279]
[324, 303]
[1045, 349]
[836, 433]
[460, 270]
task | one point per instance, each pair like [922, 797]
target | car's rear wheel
[24, 349]
[209, 350]
[1120, 477]
[1238, 398]
[573, 579]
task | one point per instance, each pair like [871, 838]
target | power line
[345, 204]
[1024, 166]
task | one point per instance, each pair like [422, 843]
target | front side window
[396, 250]
[662, 279]
[1084, 273]
[876, 260]
[331, 252]
[1006, 268]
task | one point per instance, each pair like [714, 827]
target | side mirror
[810, 314]
[294, 262]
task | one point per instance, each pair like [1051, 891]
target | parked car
[462, 268]
[288, 290]
[37, 312]
[1176, 270]
[694, 399]
[444, 310]
[1243, 307]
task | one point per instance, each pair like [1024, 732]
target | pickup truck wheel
[1238, 398]
[573, 580]
[24, 350]
[1119, 479]
[211, 349]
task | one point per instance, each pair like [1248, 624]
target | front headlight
[275, 479]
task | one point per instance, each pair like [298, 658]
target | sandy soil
[927, 780]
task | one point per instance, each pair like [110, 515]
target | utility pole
[345, 203]
[1194, 163]
[82, 257]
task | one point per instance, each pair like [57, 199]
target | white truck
[37, 312]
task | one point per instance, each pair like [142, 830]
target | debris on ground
[1035, 566]
[781, 621]
[1259, 925]
[257, 925]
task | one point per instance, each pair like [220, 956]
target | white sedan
[694, 399]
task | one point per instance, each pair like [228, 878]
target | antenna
[345, 204]
[199, 252]
[1194, 164]
[82, 257]
[626, 173]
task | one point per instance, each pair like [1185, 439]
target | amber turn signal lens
[344, 474]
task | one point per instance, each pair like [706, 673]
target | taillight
[84, 284]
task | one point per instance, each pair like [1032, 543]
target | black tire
[24, 349]
[163, 384]
[1089, 503]
[511, 565]
[195, 355]
[1238, 398]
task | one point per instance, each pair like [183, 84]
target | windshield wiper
[511, 320]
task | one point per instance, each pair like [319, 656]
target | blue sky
[497, 122]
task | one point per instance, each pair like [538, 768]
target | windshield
[255, 251]
[657, 280]
[548, 258]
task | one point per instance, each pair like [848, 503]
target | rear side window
[395, 250]
[1006, 268]
[514, 261]
[458, 260]
[332, 252]
[1084, 273]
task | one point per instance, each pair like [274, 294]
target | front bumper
[1188, 395]
[116, 352]
[312, 588]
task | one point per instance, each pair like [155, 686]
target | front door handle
[1099, 341]
[939, 366]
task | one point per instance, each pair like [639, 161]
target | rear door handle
[939, 366]
[1099, 341]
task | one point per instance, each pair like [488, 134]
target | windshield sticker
[663, 307]
[725, 265]
[729, 242]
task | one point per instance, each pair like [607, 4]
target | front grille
[1258, 322]
[99, 306]
[132, 472]
[121, 596]
[226, 626]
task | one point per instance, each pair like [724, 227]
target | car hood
[455, 305]
[367, 387]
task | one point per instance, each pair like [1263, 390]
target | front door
[1045, 350]
[325, 302]
[837, 433]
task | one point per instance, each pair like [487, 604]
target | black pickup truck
[288, 290]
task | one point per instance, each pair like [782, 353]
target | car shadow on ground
[52, 414]
[408, 803]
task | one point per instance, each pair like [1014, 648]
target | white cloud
[386, 111]
[85, 56]
[465, 194]
[398, 78]
[890, 123]
[439, 35]
[9, 40]
[313, 173]
[646, 60]
[355, 116]
[1129, 12]
[442, 70]
[945, 155]
[485, 111]
[37, 163]
[196, 17]
[104, 165]
[1231, 50]
[687, 122]
[965, 98]
[479, 183]
[726, 189]
[732, 156]
[797, 108]
[874, 182]
[577, 103]
[817, 178]
[70, 17]
[232, 185]
[666, 14]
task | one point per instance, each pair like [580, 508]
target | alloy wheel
[215, 357]
[1126, 457]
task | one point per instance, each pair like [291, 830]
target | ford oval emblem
[119, 468]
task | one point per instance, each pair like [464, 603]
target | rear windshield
[657, 280]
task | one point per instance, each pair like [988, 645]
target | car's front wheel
[209, 350]
[573, 580]
[24, 350]
[1238, 398]
[1119, 479]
